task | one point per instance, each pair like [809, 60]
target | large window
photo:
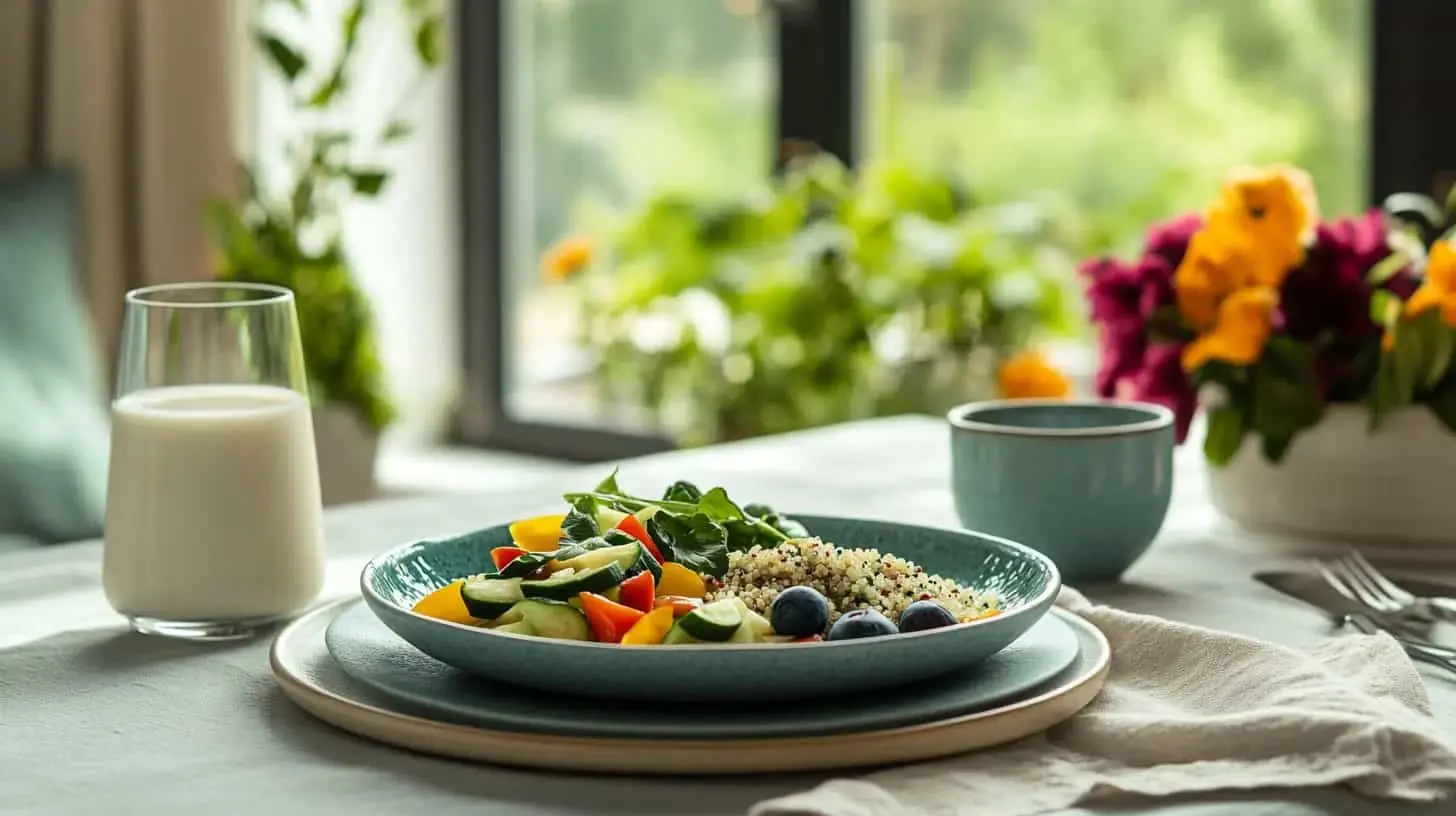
[1119, 111]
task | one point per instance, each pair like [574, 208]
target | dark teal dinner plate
[1025, 581]
[368, 652]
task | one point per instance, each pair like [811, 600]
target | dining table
[95, 718]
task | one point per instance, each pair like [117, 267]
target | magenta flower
[1124, 299]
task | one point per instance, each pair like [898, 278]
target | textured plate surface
[311, 678]
[1026, 581]
[371, 654]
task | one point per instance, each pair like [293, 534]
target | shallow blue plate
[369, 653]
[1026, 581]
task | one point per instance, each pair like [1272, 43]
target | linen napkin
[1185, 710]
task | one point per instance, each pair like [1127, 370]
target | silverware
[1312, 590]
[1429, 653]
[1359, 579]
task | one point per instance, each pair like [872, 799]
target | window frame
[1412, 146]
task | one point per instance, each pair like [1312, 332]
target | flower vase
[1340, 480]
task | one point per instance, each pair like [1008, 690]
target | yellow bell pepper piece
[650, 629]
[540, 534]
[679, 580]
[445, 603]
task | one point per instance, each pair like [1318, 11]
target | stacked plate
[377, 669]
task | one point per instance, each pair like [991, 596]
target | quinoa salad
[689, 566]
[847, 578]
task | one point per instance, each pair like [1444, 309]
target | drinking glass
[214, 524]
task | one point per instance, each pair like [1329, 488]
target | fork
[1432, 654]
[1361, 581]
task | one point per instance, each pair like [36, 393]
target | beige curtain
[136, 96]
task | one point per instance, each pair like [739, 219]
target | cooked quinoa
[849, 578]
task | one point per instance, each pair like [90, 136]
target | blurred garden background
[1107, 114]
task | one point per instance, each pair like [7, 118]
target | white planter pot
[347, 449]
[1338, 480]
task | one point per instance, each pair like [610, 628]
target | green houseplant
[835, 296]
[288, 231]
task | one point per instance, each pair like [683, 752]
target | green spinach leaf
[682, 491]
[697, 542]
[581, 523]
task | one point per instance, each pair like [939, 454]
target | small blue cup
[1086, 483]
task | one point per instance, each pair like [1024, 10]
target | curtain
[137, 97]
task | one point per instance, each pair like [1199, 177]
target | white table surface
[1198, 571]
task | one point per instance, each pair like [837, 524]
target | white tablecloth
[111, 758]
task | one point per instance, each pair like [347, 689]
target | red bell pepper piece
[637, 592]
[809, 639]
[608, 619]
[632, 526]
[505, 555]
[680, 605]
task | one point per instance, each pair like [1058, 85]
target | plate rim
[682, 756]
[409, 700]
[1033, 606]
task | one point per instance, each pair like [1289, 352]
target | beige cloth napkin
[1186, 710]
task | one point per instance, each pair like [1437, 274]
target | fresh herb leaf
[697, 542]
[609, 485]
[682, 491]
[581, 523]
[717, 506]
[776, 520]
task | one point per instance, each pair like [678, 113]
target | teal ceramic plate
[371, 654]
[1026, 582]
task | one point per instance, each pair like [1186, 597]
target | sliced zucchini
[755, 627]
[488, 597]
[519, 627]
[608, 518]
[676, 636]
[625, 557]
[545, 619]
[523, 565]
[566, 587]
[715, 622]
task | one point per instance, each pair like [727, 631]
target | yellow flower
[1245, 319]
[1439, 288]
[1029, 376]
[566, 257]
[1211, 269]
[1274, 209]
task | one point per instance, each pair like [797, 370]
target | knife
[1314, 591]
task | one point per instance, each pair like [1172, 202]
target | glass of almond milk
[213, 517]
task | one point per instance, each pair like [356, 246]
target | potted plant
[1320, 351]
[288, 231]
[833, 296]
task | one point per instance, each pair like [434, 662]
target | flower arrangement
[835, 295]
[1263, 314]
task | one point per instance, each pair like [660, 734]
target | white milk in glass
[213, 510]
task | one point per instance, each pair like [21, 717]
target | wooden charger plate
[309, 676]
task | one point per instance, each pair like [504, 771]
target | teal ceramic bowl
[1085, 483]
[1025, 581]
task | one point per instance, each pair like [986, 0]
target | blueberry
[800, 612]
[923, 615]
[861, 623]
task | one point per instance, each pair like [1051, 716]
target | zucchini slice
[715, 622]
[579, 580]
[630, 558]
[545, 619]
[488, 597]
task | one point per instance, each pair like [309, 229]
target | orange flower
[566, 257]
[1029, 376]
[1245, 320]
[1439, 288]
[1275, 210]
[1211, 269]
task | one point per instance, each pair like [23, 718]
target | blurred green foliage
[290, 234]
[835, 296]
[1109, 115]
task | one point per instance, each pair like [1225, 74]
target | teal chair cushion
[53, 415]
